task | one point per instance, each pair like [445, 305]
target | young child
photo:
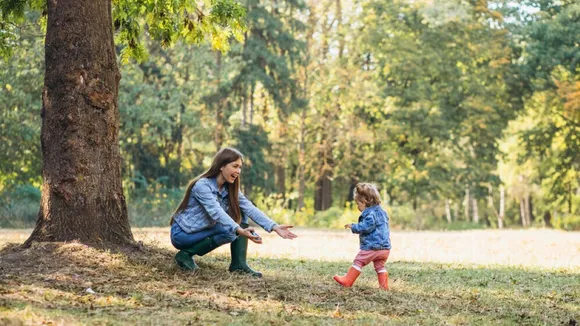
[374, 235]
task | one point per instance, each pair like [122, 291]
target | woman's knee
[230, 237]
[226, 237]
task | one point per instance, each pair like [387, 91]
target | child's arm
[365, 226]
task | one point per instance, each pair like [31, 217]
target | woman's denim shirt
[207, 206]
[373, 229]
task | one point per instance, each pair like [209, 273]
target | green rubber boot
[239, 250]
[184, 258]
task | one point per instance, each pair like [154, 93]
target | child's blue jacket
[373, 229]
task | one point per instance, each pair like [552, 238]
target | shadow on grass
[51, 280]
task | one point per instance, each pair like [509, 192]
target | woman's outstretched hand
[247, 232]
[283, 231]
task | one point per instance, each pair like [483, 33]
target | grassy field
[506, 277]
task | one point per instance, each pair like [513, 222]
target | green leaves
[166, 21]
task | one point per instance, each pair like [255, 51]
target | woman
[214, 212]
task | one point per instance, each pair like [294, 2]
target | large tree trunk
[323, 192]
[82, 196]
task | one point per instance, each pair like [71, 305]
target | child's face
[361, 205]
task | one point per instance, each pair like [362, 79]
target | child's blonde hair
[367, 193]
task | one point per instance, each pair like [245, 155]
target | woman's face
[232, 170]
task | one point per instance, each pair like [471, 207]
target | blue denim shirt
[373, 229]
[208, 206]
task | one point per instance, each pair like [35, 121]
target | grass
[453, 278]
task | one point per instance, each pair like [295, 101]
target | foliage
[20, 94]
[437, 102]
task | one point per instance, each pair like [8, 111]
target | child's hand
[348, 226]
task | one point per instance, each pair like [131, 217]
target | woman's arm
[255, 214]
[365, 226]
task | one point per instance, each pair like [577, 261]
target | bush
[19, 207]
[568, 222]
[153, 208]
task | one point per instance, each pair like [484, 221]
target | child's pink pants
[378, 257]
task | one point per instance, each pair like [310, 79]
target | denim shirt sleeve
[255, 214]
[367, 224]
[207, 199]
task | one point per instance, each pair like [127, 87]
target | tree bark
[548, 219]
[475, 211]
[500, 219]
[302, 163]
[244, 109]
[527, 203]
[523, 213]
[491, 206]
[323, 193]
[219, 115]
[448, 210]
[466, 203]
[281, 180]
[82, 195]
[252, 91]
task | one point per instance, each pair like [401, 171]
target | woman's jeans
[182, 240]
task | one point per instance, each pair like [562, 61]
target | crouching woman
[214, 212]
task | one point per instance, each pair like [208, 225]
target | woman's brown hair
[225, 156]
[367, 193]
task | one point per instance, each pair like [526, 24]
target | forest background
[466, 114]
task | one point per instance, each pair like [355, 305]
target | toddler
[374, 235]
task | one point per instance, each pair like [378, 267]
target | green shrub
[568, 222]
[19, 207]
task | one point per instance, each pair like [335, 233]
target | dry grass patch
[48, 284]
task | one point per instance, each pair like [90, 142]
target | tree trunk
[475, 211]
[302, 147]
[244, 109]
[548, 219]
[570, 194]
[252, 91]
[466, 203]
[523, 213]
[351, 188]
[448, 210]
[82, 195]
[302, 163]
[219, 115]
[323, 193]
[341, 42]
[281, 180]
[491, 206]
[500, 219]
[528, 207]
